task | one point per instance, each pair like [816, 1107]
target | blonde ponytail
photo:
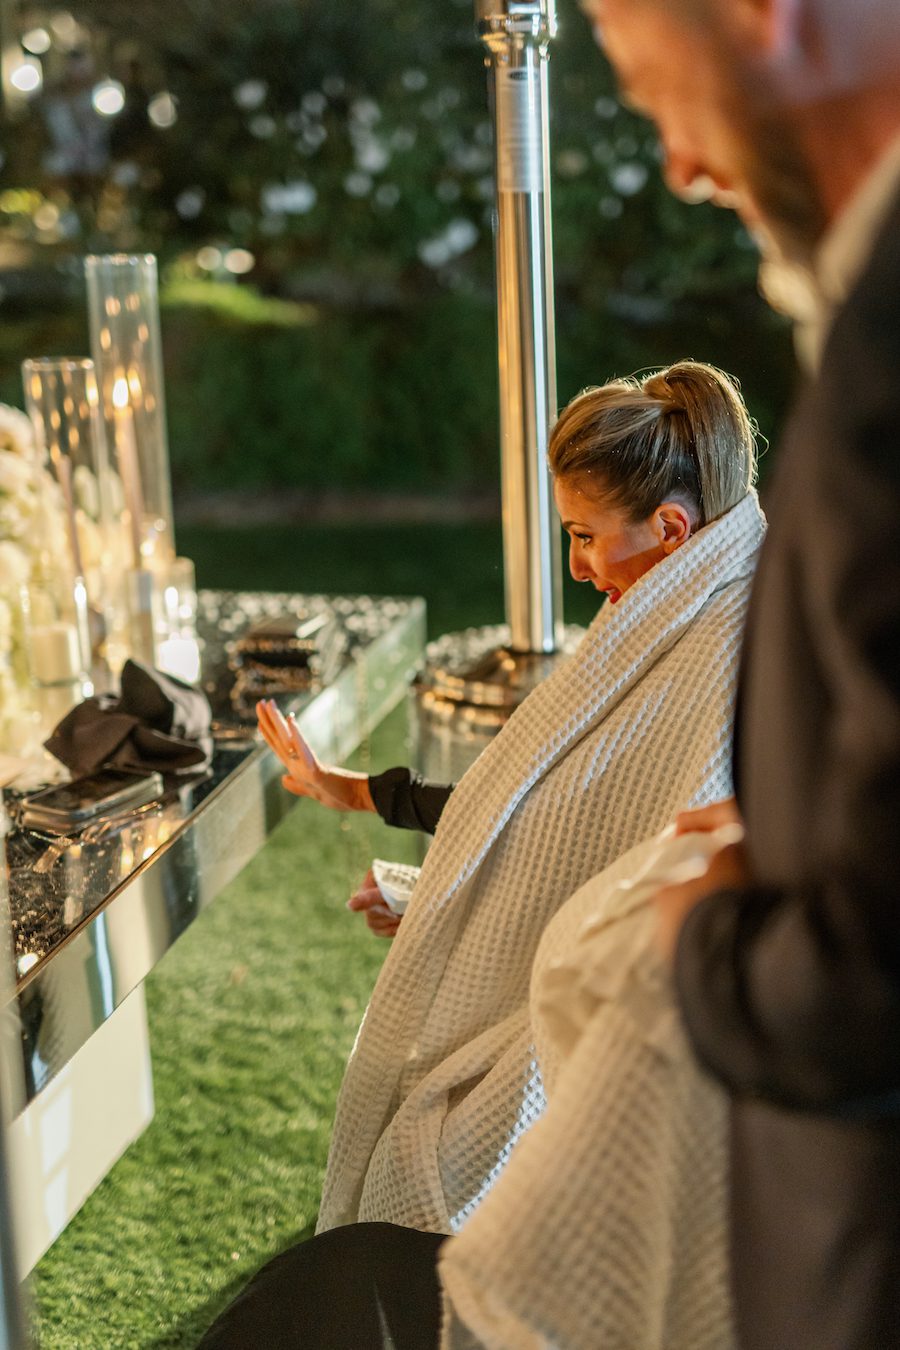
[682, 433]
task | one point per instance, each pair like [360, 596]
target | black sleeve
[791, 988]
[793, 995]
[407, 800]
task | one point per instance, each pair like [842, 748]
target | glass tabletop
[55, 886]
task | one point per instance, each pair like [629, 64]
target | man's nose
[687, 178]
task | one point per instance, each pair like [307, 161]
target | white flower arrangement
[32, 530]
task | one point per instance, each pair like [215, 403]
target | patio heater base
[471, 685]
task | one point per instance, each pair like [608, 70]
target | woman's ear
[673, 524]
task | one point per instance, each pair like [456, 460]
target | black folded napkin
[156, 722]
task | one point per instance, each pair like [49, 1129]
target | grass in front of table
[252, 1016]
[253, 1013]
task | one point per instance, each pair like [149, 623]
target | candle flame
[120, 393]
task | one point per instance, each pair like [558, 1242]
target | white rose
[14, 567]
[13, 525]
[16, 431]
[16, 474]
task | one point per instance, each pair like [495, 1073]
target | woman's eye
[584, 538]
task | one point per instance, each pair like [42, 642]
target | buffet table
[90, 921]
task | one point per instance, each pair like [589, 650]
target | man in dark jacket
[787, 954]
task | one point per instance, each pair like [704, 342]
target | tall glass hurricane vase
[123, 305]
[63, 403]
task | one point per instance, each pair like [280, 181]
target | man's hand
[728, 869]
[368, 900]
[708, 818]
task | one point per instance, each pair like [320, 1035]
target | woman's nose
[576, 563]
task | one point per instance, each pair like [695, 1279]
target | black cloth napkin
[155, 722]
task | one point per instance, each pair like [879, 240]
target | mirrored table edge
[59, 1004]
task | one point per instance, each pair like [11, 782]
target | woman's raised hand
[337, 788]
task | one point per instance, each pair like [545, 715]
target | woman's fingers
[274, 745]
[383, 928]
[273, 731]
[339, 789]
[299, 746]
[286, 737]
[369, 901]
[282, 735]
[366, 897]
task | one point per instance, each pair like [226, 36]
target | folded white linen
[608, 1227]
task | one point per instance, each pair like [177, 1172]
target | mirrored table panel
[93, 914]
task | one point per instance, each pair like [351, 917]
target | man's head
[775, 107]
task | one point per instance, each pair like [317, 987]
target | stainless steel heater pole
[517, 35]
[474, 681]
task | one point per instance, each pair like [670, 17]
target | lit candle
[129, 464]
[180, 656]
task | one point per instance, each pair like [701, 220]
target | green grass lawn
[253, 1013]
[252, 1016]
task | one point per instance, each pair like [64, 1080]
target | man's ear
[673, 524]
[768, 28]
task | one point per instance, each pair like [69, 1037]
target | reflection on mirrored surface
[92, 915]
[57, 885]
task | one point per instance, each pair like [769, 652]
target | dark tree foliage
[346, 147]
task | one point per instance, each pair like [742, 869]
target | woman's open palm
[337, 788]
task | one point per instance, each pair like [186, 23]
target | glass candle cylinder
[62, 399]
[179, 598]
[123, 307]
[177, 648]
[56, 632]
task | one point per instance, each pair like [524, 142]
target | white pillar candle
[55, 653]
[180, 656]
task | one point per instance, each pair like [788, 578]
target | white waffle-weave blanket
[634, 727]
[608, 1229]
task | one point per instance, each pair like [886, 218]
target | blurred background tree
[316, 180]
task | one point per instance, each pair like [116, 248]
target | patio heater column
[473, 681]
[517, 35]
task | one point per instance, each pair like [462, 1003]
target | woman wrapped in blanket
[608, 1228]
[653, 483]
